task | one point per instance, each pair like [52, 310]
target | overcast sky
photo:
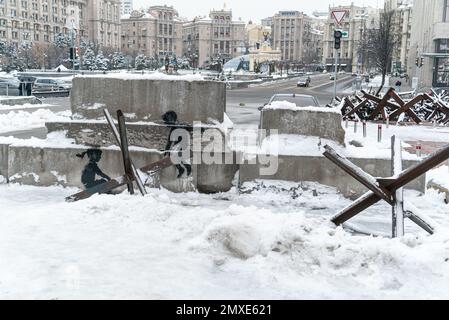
[250, 9]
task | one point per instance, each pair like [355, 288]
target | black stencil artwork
[91, 170]
[170, 118]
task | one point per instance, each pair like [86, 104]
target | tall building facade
[126, 7]
[155, 33]
[215, 37]
[41, 21]
[292, 33]
[430, 41]
[103, 20]
[402, 29]
[355, 22]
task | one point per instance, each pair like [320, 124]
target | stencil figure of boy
[91, 170]
[170, 118]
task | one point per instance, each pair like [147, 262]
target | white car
[47, 84]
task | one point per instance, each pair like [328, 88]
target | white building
[430, 40]
[215, 37]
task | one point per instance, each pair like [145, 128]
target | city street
[242, 104]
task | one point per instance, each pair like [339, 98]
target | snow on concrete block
[287, 118]
[15, 101]
[148, 98]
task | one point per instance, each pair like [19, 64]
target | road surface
[242, 104]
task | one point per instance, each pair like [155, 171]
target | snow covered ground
[23, 120]
[274, 243]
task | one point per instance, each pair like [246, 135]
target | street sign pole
[335, 75]
[338, 16]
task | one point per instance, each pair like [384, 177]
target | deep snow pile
[275, 243]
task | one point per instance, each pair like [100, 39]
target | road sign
[339, 15]
[345, 34]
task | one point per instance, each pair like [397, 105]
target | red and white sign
[339, 15]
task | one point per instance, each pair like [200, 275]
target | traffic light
[337, 36]
[74, 53]
[419, 61]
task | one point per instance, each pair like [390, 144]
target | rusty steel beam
[392, 185]
[357, 173]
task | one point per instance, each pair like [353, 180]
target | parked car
[9, 86]
[301, 100]
[304, 82]
[47, 84]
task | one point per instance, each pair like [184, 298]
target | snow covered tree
[118, 61]
[140, 62]
[152, 63]
[101, 63]
[62, 41]
[89, 59]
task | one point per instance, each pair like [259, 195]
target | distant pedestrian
[29, 87]
[398, 86]
[21, 87]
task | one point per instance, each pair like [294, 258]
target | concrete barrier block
[98, 133]
[321, 170]
[324, 123]
[4, 160]
[60, 166]
[13, 101]
[149, 99]
[442, 189]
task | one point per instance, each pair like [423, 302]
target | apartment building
[40, 21]
[103, 22]
[215, 37]
[430, 41]
[292, 33]
[402, 29]
[156, 32]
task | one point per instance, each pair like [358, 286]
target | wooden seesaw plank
[131, 170]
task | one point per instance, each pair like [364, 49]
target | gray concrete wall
[98, 134]
[4, 160]
[326, 125]
[321, 170]
[37, 166]
[149, 99]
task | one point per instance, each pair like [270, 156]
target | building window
[442, 65]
